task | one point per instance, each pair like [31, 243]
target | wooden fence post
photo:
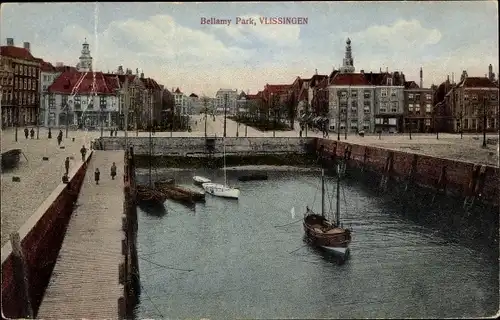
[21, 276]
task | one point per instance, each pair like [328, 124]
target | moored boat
[220, 190]
[165, 182]
[149, 195]
[322, 232]
[195, 195]
[199, 180]
[175, 195]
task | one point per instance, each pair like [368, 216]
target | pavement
[39, 178]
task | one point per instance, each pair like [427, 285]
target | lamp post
[410, 123]
[348, 105]
[16, 114]
[338, 116]
[67, 119]
[37, 119]
[484, 122]
[307, 117]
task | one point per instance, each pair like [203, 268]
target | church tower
[85, 64]
[348, 65]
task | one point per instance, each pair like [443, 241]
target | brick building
[419, 112]
[7, 92]
[24, 106]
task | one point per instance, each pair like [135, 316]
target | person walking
[50, 134]
[26, 133]
[113, 171]
[32, 133]
[59, 137]
[66, 165]
[83, 151]
[97, 175]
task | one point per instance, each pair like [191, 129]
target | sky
[168, 43]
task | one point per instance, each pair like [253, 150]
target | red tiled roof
[150, 84]
[16, 52]
[46, 66]
[477, 82]
[353, 79]
[67, 82]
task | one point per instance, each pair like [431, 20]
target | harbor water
[230, 259]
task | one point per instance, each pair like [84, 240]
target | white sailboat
[221, 190]
[199, 180]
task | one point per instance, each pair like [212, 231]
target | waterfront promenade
[85, 280]
[39, 178]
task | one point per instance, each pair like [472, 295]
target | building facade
[74, 99]
[228, 98]
[473, 104]
[25, 100]
[194, 104]
[7, 92]
[419, 113]
[85, 63]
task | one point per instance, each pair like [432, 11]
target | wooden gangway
[85, 280]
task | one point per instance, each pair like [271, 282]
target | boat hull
[323, 234]
[199, 180]
[151, 196]
[220, 190]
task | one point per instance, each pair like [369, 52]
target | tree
[291, 108]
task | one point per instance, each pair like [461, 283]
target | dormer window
[474, 97]
[389, 81]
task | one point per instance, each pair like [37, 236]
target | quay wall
[470, 181]
[40, 238]
[209, 146]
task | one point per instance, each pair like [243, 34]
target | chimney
[490, 72]
[316, 71]
[142, 75]
[10, 42]
[421, 78]
[26, 46]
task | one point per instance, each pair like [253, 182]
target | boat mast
[323, 192]
[338, 195]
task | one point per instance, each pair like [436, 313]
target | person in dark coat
[26, 133]
[83, 151]
[113, 171]
[97, 175]
[65, 178]
[66, 165]
[32, 133]
[59, 138]
[50, 134]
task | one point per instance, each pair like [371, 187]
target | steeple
[348, 65]
[85, 63]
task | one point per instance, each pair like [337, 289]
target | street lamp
[338, 115]
[225, 113]
[484, 121]
[67, 119]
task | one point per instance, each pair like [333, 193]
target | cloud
[271, 34]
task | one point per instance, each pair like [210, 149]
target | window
[417, 108]
[393, 92]
[366, 124]
[343, 110]
[366, 109]
[354, 124]
[16, 84]
[466, 96]
[383, 92]
[394, 106]
[44, 88]
[64, 100]
[428, 108]
[343, 94]
[417, 97]
[354, 110]
[45, 78]
[342, 125]
[474, 97]
[25, 71]
[383, 107]
[16, 69]
[493, 97]
[410, 96]
[52, 101]
[410, 107]
[29, 84]
[466, 123]
[428, 96]
[354, 94]
[474, 124]
[25, 84]
[389, 81]
[367, 94]
[102, 102]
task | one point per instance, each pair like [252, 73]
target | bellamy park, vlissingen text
[254, 21]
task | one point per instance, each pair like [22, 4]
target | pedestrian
[113, 171]
[111, 133]
[59, 137]
[300, 133]
[50, 134]
[83, 151]
[116, 133]
[66, 165]
[97, 175]
[26, 132]
[32, 133]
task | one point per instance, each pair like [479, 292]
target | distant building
[228, 98]
[181, 102]
[419, 113]
[194, 105]
[7, 92]
[23, 108]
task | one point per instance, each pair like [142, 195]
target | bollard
[45, 158]
[62, 147]
[16, 179]
[73, 139]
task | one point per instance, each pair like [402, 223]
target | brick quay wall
[40, 238]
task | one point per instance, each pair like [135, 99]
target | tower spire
[348, 65]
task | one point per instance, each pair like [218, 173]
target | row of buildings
[379, 101]
[35, 91]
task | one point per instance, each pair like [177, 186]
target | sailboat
[222, 190]
[324, 233]
[149, 194]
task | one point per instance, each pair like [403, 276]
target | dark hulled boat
[322, 232]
